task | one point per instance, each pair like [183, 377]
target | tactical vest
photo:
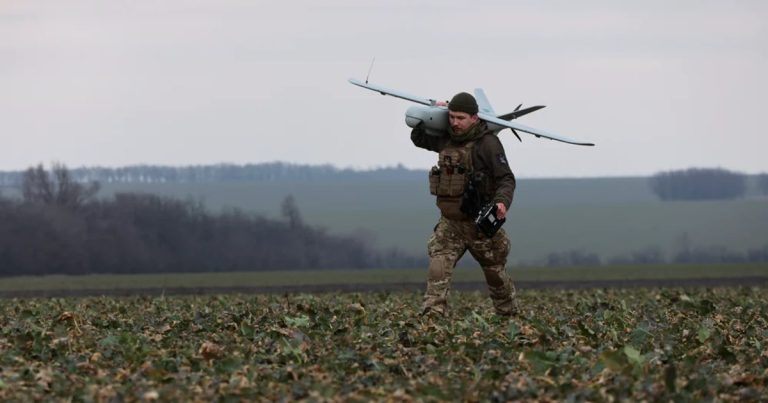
[449, 178]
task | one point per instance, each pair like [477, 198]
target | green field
[592, 345]
[607, 216]
[378, 276]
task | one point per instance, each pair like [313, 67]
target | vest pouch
[434, 180]
[451, 185]
[453, 167]
[450, 207]
[450, 179]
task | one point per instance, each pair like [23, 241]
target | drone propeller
[513, 130]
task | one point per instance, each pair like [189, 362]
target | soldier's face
[461, 121]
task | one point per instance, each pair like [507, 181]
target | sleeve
[423, 140]
[492, 153]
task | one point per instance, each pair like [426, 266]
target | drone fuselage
[434, 119]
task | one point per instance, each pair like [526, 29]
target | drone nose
[412, 121]
[414, 115]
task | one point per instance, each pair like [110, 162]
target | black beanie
[463, 102]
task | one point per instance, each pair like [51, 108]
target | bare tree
[291, 211]
[56, 188]
[36, 186]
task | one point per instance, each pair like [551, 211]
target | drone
[433, 116]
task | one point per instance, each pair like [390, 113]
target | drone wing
[395, 93]
[530, 130]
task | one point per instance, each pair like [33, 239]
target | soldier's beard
[470, 133]
[458, 131]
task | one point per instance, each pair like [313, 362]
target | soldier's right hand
[501, 210]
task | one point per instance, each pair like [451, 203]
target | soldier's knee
[495, 276]
[440, 267]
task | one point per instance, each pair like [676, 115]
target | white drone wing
[395, 93]
[529, 130]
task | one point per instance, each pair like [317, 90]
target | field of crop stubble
[640, 344]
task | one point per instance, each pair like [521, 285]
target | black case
[487, 222]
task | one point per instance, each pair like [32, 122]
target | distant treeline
[269, 172]
[687, 184]
[654, 255]
[762, 183]
[703, 184]
[59, 227]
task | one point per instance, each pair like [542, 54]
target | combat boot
[504, 301]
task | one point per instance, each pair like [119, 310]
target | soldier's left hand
[501, 211]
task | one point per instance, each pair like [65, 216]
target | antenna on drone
[370, 69]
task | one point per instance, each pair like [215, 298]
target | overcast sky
[657, 85]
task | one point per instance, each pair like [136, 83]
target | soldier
[469, 153]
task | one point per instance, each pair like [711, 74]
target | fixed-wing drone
[434, 116]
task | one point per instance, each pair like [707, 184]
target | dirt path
[413, 287]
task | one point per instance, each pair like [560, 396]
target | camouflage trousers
[448, 244]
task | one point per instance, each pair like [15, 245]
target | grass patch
[375, 276]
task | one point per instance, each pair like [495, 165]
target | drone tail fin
[520, 112]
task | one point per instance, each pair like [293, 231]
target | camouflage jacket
[488, 158]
